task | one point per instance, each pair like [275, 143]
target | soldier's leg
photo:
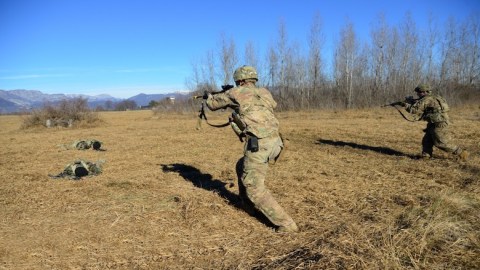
[427, 143]
[443, 140]
[245, 202]
[253, 179]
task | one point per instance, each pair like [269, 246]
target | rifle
[205, 94]
[408, 100]
[202, 114]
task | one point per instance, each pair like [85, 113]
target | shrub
[67, 113]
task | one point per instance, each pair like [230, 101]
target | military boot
[292, 227]
[464, 155]
[425, 156]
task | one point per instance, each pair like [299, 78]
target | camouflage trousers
[251, 170]
[438, 135]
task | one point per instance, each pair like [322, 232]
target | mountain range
[12, 101]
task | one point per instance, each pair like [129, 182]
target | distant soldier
[434, 110]
[80, 168]
[86, 144]
[254, 107]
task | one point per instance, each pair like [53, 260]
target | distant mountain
[144, 99]
[8, 106]
[12, 101]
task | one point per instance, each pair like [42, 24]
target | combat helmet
[244, 73]
[423, 88]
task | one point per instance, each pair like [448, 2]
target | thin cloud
[176, 70]
[33, 76]
[138, 70]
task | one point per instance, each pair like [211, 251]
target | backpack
[87, 144]
[438, 115]
[80, 168]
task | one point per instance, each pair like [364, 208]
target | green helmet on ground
[245, 73]
[423, 88]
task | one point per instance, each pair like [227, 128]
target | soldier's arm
[416, 108]
[219, 101]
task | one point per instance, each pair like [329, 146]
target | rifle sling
[202, 115]
[403, 115]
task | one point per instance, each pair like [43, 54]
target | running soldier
[254, 107]
[434, 110]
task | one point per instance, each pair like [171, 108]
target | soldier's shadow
[206, 181]
[202, 180]
[378, 149]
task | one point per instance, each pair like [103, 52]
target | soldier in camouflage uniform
[434, 110]
[255, 106]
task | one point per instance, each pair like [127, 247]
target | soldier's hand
[227, 87]
[205, 95]
[410, 100]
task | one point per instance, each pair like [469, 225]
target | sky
[126, 47]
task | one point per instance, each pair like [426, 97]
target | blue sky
[123, 48]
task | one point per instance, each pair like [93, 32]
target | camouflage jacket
[254, 105]
[430, 108]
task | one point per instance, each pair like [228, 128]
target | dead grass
[167, 198]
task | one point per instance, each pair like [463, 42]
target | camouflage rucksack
[87, 144]
[438, 115]
[80, 168]
[443, 104]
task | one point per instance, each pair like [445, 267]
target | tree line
[359, 73]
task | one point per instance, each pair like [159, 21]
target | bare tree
[295, 77]
[397, 58]
[379, 54]
[251, 57]
[282, 44]
[409, 66]
[315, 61]
[431, 44]
[472, 51]
[346, 54]
[450, 56]
[228, 59]
[272, 67]
[208, 70]
[195, 78]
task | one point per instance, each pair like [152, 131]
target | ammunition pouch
[434, 116]
[437, 118]
[252, 143]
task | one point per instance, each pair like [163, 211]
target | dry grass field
[167, 198]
